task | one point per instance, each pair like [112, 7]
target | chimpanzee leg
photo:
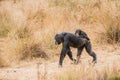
[69, 53]
[62, 55]
[88, 48]
[79, 51]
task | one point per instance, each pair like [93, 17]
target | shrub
[31, 50]
[23, 33]
[114, 77]
[112, 31]
[21, 45]
[26, 46]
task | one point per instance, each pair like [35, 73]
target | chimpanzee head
[78, 32]
[58, 39]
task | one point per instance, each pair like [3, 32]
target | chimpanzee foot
[73, 61]
[94, 61]
[59, 65]
[76, 62]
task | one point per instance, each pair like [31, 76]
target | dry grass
[29, 27]
[85, 72]
[112, 31]
[6, 23]
[19, 45]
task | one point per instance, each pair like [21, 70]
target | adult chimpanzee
[70, 40]
[81, 34]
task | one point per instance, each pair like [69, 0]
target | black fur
[70, 40]
[81, 34]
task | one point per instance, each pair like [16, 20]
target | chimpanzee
[70, 40]
[81, 34]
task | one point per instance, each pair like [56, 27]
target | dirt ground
[48, 70]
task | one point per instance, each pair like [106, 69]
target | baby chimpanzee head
[78, 32]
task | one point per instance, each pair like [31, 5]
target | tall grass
[45, 18]
[109, 18]
[89, 73]
[21, 45]
[6, 23]
[112, 31]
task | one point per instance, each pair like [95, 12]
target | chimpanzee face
[58, 39]
[78, 32]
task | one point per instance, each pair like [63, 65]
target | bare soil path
[47, 71]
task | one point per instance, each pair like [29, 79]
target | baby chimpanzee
[81, 34]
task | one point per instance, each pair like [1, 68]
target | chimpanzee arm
[69, 53]
[65, 48]
[84, 35]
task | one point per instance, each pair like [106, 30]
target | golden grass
[34, 23]
[89, 72]
[6, 23]
[29, 27]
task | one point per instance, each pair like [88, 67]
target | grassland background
[28, 27]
